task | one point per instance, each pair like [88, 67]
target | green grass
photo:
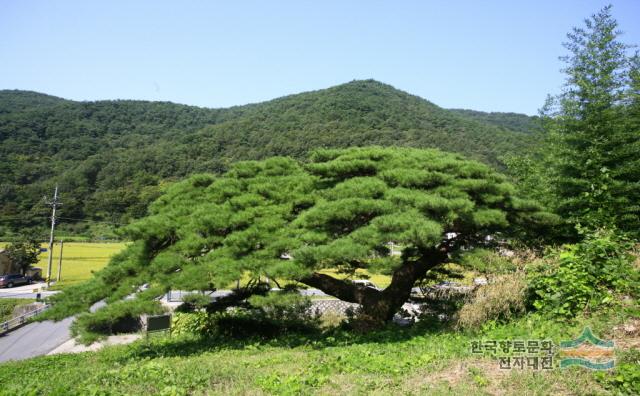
[79, 260]
[8, 304]
[420, 360]
[379, 280]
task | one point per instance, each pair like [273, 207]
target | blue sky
[483, 55]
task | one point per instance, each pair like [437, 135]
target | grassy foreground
[420, 360]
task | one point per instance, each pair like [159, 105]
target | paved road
[26, 291]
[34, 339]
[38, 338]
[28, 295]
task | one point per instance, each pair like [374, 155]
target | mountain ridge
[19, 92]
[111, 158]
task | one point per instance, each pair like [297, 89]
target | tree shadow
[187, 345]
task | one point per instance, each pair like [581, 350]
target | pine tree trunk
[380, 305]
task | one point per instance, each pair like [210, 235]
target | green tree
[593, 140]
[430, 203]
[286, 220]
[23, 254]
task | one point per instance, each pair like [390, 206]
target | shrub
[625, 379]
[8, 306]
[332, 319]
[193, 301]
[76, 298]
[287, 306]
[268, 316]
[119, 317]
[487, 261]
[197, 322]
[501, 299]
[586, 275]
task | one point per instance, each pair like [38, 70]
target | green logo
[587, 351]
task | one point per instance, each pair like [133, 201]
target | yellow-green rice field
[79, 260]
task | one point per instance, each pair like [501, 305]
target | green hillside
[16, 100]
[111, 158]
[509, 121]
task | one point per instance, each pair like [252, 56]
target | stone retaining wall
[332, 306]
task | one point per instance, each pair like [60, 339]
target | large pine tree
[293, 221]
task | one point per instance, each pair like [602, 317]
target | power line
[92, 221]
[22, 218]
[15, 218]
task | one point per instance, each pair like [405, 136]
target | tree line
[112, 158]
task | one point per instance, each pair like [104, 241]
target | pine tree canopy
[289, 220]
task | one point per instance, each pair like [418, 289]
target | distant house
[5, 262]
[6, 266]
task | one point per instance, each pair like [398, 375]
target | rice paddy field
[79, 260]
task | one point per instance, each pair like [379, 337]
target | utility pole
[60, 260]
[54, 204]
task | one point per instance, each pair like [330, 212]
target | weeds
[586, 276]
[502, 299]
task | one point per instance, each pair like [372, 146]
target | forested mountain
[111, 158]
[509, 121]
[16, 100]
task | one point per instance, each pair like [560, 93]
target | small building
[5, 263]
[34, 273]
[6, 267]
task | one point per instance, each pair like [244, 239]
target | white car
[365, 283]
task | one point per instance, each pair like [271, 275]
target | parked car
[12, 280]
[365, 283]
